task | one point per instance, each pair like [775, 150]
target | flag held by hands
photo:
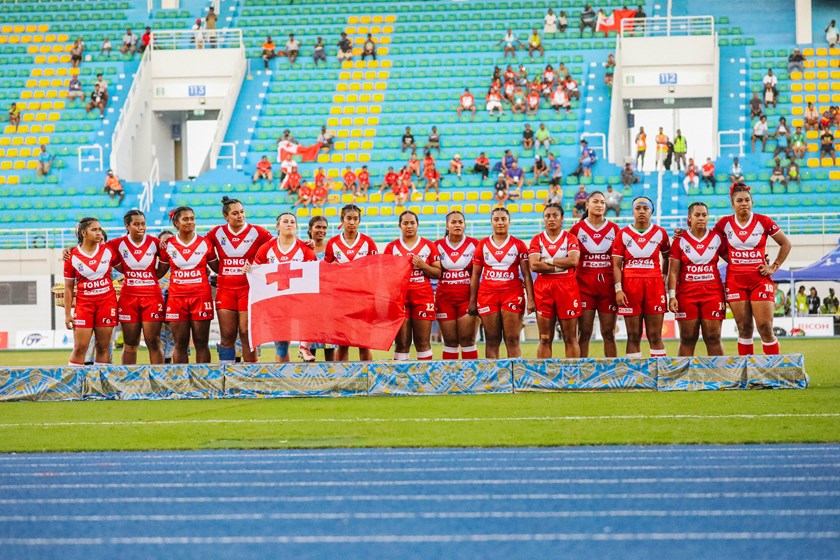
[361, 303]
[306, 153]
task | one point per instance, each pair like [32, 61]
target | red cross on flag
[360, 303]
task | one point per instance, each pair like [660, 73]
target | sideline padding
[400, 378]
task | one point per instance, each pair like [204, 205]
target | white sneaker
[305, 355]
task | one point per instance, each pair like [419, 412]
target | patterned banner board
[456, 377]
[328, 379]
[786, 371]
[179, 381]
[584, 373]
[41, 384]
[702, 373]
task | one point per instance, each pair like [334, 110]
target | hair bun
[225, 200]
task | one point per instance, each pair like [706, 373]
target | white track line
[569, 514]
[419, 420]
[424, 483]
[445, 497]
[422, 539]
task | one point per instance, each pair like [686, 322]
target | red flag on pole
[360, 303]
[612, 22]
[306, 153]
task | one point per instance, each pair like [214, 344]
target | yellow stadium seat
[364, 98]
[808, 87]
[810, 75]
[822, 63]
[24, 128]
[375, 197]
[822, 75]
[484, 208]
[834, 175]
[827, 162]
[824, 98]
[317, 211]
[796, 98]
[364, 158]
[36, 72]
[384, 40]
[369, 133]
[32, 164]
[812, 135]
[428, 211]
[808, 52]
[796, 87]
[350, 158]
[19, 165]
[472, 195]
[386, 64]
[528, 195]
[12, 153]
[14, 39]
[441, 210]
[812, 162]
[25, 152]
[539, 207]
[2, 179]
[822, 52]
[346, 64]
[798, 122]
[378, 98]
[302, 212]
[340, 87]
[387, 211]
[362, 110]
[380, 86]
[363, 29]
[49, 128]
[352, 98]
[359, 64]
[542, 193]
[373, 121]
[458, 196]
[5, 140]
[353, 145]
[356, 76]
[338, 99]
[332, 122]
[17, 141]
[5, 165]
[341, 145]
[323, 158]
[39, 94]
[333, 173]
[513, 208]
[356, 133]
[485, 195]
[470, 209]
[375, 109]
[330, 212]
[355, 86]
[336, 158]
[352, 20]
[367, 86]
[367, 145]
[526, 207]
[372, 211]
[822, 86]
[30, 141]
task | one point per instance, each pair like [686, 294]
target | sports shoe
[305, 355]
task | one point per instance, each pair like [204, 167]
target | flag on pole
[612, 22]
[360, 303]
[307, 153]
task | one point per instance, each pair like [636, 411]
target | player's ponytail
[129, 216]
[227, 203]
[82, 227]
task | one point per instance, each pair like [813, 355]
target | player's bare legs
[711, 336]
[492, 335]
[81, 341]
[634, 334]
[201, 340]
[546, 326]
[103, 344]
[653, 328]
[568, 328]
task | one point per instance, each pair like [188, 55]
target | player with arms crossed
[346, 247]
[749, 286]
[695, 291]
[420, 300]
[95, 311]
[236, 242]
[595, 235]
[637, 252]
[452, 299]
[189, 305]
[553, 255]
[496, 292]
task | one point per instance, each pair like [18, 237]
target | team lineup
[594, 268]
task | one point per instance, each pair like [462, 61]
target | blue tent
[827, 268]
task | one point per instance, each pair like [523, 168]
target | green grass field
[534, 419]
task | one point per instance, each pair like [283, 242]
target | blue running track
[678, 502]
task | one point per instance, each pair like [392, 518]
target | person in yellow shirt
[14, 116]
[641, 147]
[535, 44]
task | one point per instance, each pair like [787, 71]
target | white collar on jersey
[505, 242]
[746, 225]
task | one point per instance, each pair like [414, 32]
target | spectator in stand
[291, 183]
[613, 199]
[407, 141]
[432, 176]
[571, 87]
[555, 195]
[351, 183]
[798, 143]
[782, 136]
[812, 117]
[145, 40]
[609, 70]
[389, 180]
[433, 143]
[456, 166]
[781, 304]
[287, 137]
[467, 103]
[769, 98]
[580, 201]
[540, 169]
[501, 189]
[830, 303]
[827, 118]
[771, 80]
[515, 176]
[508, 89]
[640, 12]
[320, 195]
[14, 116]
[827, 144]
[210, 21]
[533, 102]
[494, 103]
[402, 190]
[796, 62]
[801, 301]
[287, 166]
[319, 52]
[550, 26]
[129, 43]
[535, 44]
[292, 48]
[269, 51]
[304, 196]
[345, 48]
[77, 51]
[661, 148]
[708, 172]
[198, 34]
[736, 174]
[543, 137]
[45, 160]
[482, 165]
[263, 170]
[527, 137]
[97, 100]
[510, 42]
[428, 161]
[756, 109]
[562, 22]
[364, 181]
[778, 176]
[641, 147]
[413, 165]
[691, 176]
[321, 178]
[113, 186]
[509, 74]
[588, 18]
[106, 48]
[369, 47]
[555, 171]
[628, 176]
[75, 88]
[759, 133]
[103, 85]
[680, 149]
[832, 35]
[326, 139]
[518, 102]
[793, 173]
[813, 302]
[507, 161]
[549, 80]
[669, 156]
[585, 161]
[559, 100]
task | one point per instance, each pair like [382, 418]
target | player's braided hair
[175, 214]
[554, 205]
[130, 215]
[407, 213]
[227, 203]
[693, 204]
[350, 208]
[500, 209]
[82, 227]
[736, 188]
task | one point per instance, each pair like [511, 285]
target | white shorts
[494, 105]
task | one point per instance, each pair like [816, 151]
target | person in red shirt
[428, 161]
[554, 255]
[320, 178]
[350, 181]
[420, 298]
[390, 180]
[432, 179]
[482, 165]
[364, 181]
[494, 102]
[319, 196]
[292, 181]
[496, 289]
[467, 103]
[749, 286]
[640, 263]
[263, 170]
[413, 165]
[189, 307]
[533, 102]
[304, 196]
[402, 189]
[695, 291]
[709, 172]
[94, 312]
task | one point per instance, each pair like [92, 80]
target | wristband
[557, 269]
[618, 287]
[672, 294]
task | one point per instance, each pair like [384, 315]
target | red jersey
[339, 251]
[534, 99]
[400, 188]
[271, 253]
[139, 265]
[320, 193]
[234, 250]
[92, 273]
[456, 261]
[747, 244]
[364, 178]
[349, 178]
[188, 265]
[559, 248]
[304, 192]
[641, 251]
[500, 263]
[432, 174]
[698, 257]
[320, 178]
[595, 246]
[467, 100]
[292, 180]
[424, 249]
[391, 179]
